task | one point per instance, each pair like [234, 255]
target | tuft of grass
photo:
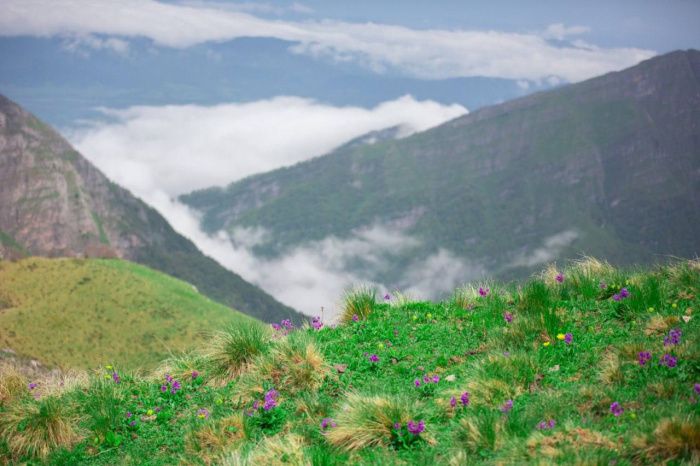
[12, 383]
[367, 421]
[33, 429]
[233, 350]
[481, 431]
[281, 450]
[358, 301]
[676, 439]
[211, 440]
[609, 371]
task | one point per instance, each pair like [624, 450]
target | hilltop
[608, 167]
[55, 203]
[584, 365]
[83, 313]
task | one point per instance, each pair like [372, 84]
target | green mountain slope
[87, 312]
[550, 372]
[608, 167]
[53, 202]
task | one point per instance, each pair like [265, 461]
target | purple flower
[616, 297]
[256, 405]
[203, 413]
[668, 360]
[157, 409]
[163, 388]
[128, 414]
[545, 425]
[414, 428]
[168, 378]
[316, 323]
[286, 323]
[32, 386]
[453, 401]
[624, 293]
[464, 398]
[355, 318]
[507, 406]
[132, 423]
[397, 426]
[175, 387]
[416, 382]
[552, 423]
[674, 337]
[542, 425]
[436, 378]
[568, 338]
[697, 388]
[276, 327]
[483, 291]
[602, 285]
[374, 358]
[508, 317]
[195, 374]
[387, 297]
[115, 377]
[644, 357]
[616, 408]
[559, 278]
[327, 422]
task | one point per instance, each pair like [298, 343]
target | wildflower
[256, 405]
[397, 426]
[616, 408]
[651, 309]
[132, 423]
[545, 344]
[163, 388]
[168, 378]
[115, 377]
[464, 398]
[416, 382]
[157, 409]
[542, 425]
[483, 291]
[552, 423]
[327, 422]
[674, 305]
[507, 406]
[387, 297]
[316, 323]
[426, 379]
[644, 357]
[436, 378]
[545, 425]
[508, 317]
[175, 387]
[568, 338]
[697, 388]
[560, 336]
[32, 386]
[624, 293]
[355, 318]
[374, 358]
[276, 327]
[109, 367]
[128, 414]
[149, 412]
[286, 323]
[453, 402]
[429, 315]
[673, 338]
[195, 374]
[668, 360]
[559, 277]
[616, 297]
[602, 285]
[414, 428]
[202, 413]
[270, 399]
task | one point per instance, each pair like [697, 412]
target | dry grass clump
[213, 438]
[12, 383]
[35, 428]
[359, 302]
[560, 443]
[609, 371]
[280, 450]
[482, 430]
[673, 439]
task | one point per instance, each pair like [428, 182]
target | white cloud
[83, 44]
[552, 247]
[178, 149]
[425, 53]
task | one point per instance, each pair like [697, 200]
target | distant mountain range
[608, 167]
[55, 203]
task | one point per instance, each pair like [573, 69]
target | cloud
[178, 149]
[552, 247]
[84, 44]
[424, 53]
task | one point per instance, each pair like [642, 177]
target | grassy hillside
[83, 313]
[588, 365]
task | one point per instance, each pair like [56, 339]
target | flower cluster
[327, 422]
[373, 358]
[32, 386]
[115, 377]
[464, 399]
[673, 338]
[415, 428]
[427, 380]
[546, 425]
[507, 406]
[483, 291]
[316, 323]
[270, 399]
[284, 327]
[559, 278]
[668, 360]
[170, 384]
[508, 317]
[624, 293]
[203, 413]
[616, 408]
[568, 338]
[644, 357]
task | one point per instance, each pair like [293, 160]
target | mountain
[81, 313]
[608, 167]
[53, 202]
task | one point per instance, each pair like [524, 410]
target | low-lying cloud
[551, 247]
[180, 148]
[424, 53]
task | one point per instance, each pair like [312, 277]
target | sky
[172, 96]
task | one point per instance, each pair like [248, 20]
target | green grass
[465, 343]
[86, 313]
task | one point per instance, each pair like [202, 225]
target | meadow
[586, 364]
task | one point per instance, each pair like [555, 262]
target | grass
[86, 313]
[450, 348]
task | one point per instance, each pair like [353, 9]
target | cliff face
[608, 167]
[53, 202]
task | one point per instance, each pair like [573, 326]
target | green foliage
[234, 349]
